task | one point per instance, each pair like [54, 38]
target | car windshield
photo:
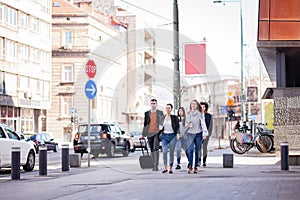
[42, 137]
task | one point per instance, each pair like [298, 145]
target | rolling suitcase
[146, 161]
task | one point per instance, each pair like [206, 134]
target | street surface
[254, 176]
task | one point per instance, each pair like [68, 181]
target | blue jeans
[194, 142]
[181, 143]
[168, 143]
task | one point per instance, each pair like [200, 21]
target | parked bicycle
[241, 141]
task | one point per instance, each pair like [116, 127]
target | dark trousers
[153, 142]
[154, 148]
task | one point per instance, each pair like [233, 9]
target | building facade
[279, 46]
[25, 64]
[79, 34]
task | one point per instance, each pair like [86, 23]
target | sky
[219, 24]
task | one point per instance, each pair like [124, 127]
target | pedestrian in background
[181, 142]
[196, 132]
[237, 126]
[153, 122]
[169, 137]
[209, 125]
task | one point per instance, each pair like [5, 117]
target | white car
[8, 139]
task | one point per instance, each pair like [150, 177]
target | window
[23, 51]
[33, 86]
[1, 14]
[45, 60]
[11, 17]
[33, 23]
[45, 5]
[45, 30]
[2, 89]
[66, 105]
[23, 20]
[68, 38]
[67, 73]
[33, 55]
[10, 48]
[1, 47]
[11, 84]
[23, 81]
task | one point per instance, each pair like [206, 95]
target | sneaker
[199, 164]
[178, 167]
[204, 165]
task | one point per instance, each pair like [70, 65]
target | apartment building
[81, 33]
[25, 63]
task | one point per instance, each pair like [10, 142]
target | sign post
[90, 91]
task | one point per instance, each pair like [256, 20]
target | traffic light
[230, 114]
[72, 119]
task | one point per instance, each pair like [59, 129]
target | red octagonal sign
[90, 68]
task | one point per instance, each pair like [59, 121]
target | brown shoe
[195, 170]
[190, 170]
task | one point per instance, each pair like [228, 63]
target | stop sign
[90, 68]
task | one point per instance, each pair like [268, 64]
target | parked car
[27, 139]
[45, 139]
[136, 135]
[8, 139]
[105, 138]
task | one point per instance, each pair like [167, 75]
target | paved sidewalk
[253, 176]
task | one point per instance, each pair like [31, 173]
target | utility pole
[176, 78]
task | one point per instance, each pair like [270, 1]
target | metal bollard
[43, 160]
[284, 150]
[15, 163]
[65, 157]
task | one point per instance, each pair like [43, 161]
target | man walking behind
[153, 123]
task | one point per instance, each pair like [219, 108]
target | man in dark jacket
[153, 123]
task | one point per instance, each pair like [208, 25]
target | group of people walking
[188, 131]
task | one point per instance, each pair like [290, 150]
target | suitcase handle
[145, 146]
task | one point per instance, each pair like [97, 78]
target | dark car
[105, 138]
[45, 139]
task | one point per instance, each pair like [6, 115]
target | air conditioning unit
[27, 95]
[68, 46]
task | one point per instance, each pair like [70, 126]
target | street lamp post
[242, 57]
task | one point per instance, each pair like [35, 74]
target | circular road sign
[90, 89]
[90, 68]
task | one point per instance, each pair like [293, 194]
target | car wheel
[132, 150]
[30, 162]
[55, 148]
[126, 150]
[111, 150]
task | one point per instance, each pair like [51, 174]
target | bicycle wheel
[237, 147]
[265, 143]
[232, 145]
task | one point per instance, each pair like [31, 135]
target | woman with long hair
[196, 132]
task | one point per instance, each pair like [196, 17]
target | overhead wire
[148, 11]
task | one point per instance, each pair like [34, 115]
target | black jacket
[175, 123]
[159, 120]
[209, 123]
